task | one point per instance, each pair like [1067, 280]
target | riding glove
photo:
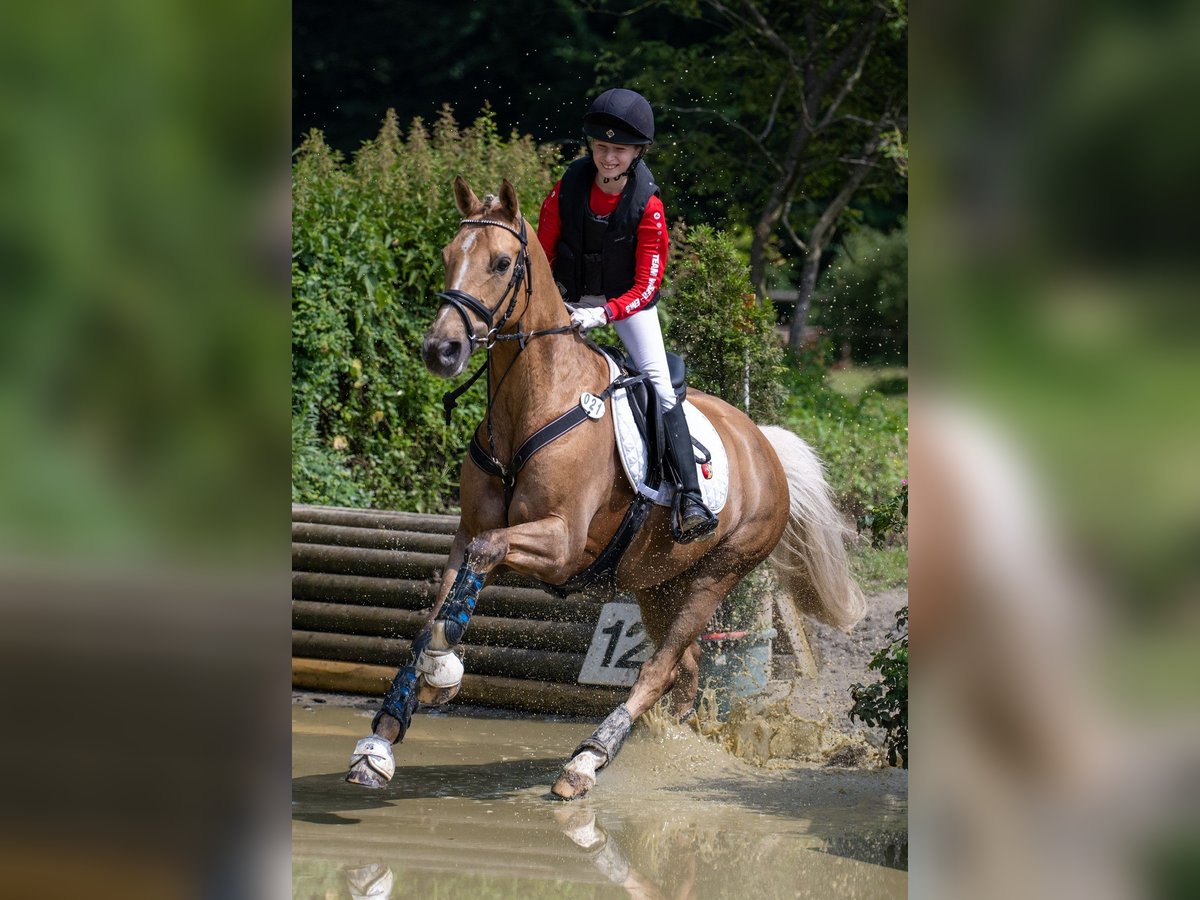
[589, 317]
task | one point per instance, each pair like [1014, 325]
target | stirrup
[698, 531]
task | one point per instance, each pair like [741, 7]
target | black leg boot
[693, 520]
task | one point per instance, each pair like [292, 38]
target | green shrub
[863, 296]
[879, 570]
[863, 442]
[884, 704]
[366, 262]
[889, 517]
[715, 322]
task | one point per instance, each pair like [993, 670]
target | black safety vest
[598, 254]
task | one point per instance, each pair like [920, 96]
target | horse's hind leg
[695, 600]
[657, 614]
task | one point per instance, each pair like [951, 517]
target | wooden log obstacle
[361, 580]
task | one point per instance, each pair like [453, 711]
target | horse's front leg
[433, 672]
[372, 763]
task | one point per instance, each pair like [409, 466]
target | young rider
[604, 228]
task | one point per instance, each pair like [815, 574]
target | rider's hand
[585, 318]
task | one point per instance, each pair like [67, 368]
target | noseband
[461, 301]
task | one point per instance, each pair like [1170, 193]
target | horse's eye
[502, 264]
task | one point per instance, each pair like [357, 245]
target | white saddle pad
[632, 448]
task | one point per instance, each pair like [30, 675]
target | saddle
[643, 402]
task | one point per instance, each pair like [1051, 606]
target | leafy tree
[532, 65]
[727, 338]
[788, 112]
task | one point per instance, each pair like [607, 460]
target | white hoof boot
[578, 776]
[377, 754]
[370, 882]
[439, 676]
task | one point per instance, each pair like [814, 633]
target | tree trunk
[819, 237]
[808, 285]
[772, 211]
[758, 255]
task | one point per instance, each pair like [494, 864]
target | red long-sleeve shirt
[651, 258]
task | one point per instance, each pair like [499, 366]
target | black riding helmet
[621, 116]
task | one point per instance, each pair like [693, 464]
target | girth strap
[548, 433]
[605, 566]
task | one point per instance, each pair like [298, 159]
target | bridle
[461, 301]
[464, 304]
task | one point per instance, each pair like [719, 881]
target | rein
[461, 301]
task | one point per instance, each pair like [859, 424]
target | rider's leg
[642, 336]
[694, 520]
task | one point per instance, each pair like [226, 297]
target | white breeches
[642, 336]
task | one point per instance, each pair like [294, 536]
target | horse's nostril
[450, 350]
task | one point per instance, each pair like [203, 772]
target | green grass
[862, 439]
[880, 570]
[856, 419]
[887, 383]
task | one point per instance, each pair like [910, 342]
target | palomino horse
[553, 517]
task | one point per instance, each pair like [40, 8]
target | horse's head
[485, 263]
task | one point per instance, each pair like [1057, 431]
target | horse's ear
[508, 201]
[464, 197]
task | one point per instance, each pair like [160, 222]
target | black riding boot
[693, 520]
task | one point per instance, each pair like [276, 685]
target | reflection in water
[664, 856]
[370, 882]
[605, 854]
[675, 817]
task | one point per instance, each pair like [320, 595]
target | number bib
[619, 647]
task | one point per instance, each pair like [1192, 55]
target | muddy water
[468, 814]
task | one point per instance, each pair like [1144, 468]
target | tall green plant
[727, 337]
[367, 235]
[863, 442]
[884, 704]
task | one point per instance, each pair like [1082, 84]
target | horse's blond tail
[810, 559]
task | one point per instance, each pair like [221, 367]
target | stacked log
[363, 582]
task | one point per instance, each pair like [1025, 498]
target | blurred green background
[143, 271]
[1053, 267]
